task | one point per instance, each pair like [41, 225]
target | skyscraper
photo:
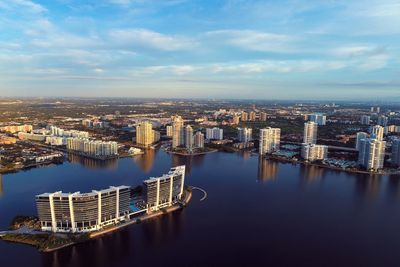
[144, 134]
[269, 140]
[199, 140]
[365, 119]
[189, 137]
[245, 134]
[313, 152]
[235, 120]
[245, 116]
[214, 133]
[169, 130]
[360, 136]
[178, 133]
[263, 116]
[252, 116]
[318, 118]
[396, 152]
[371, 154]
[377, 132]
[310, 132]
[383, 120]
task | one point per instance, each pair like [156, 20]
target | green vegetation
[20, 221]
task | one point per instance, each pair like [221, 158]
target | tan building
[144, 134]
[5, 140]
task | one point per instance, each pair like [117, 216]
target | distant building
[313, 152]
[156, 136]
[383, 120]
[365, 119]
[396, 152]
[318, 118]
[31, 137]
[371, 154]
[245, 116]
[144, 134]
[214, 133]
[252, 116]
[377, 132]
[269, 140]
[189, 141]
[360, 136]
[376, 109]
[169, 130]
[16, 128]
[87, 123]
[263, 116]
[235, 120]
[245, 134]
[178, 133]
[56, 140]
[92, 147]
[55, 131]
[76, 212]
[199, 140]
[164, 191]
[310, 132]
[5, 140]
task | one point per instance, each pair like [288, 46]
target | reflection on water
[311, 174]
[90, 163]
[146, 161]
[267, 169]
[1, 185]
[188, 161]
[393, 186]
[368, 186]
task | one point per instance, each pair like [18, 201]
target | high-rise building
[396, 152]
[76, 212]
[252, 116]
[383, 120]
[235, 120]
[371, 154]
[269, 140]
[365, 119]
[189, 141]
[169, 129]
[245, 116]
[156, 136]
[199, 140]
[310, 132]
[360, 136]
[93, 148]
[313, 152]
[377, 132]
[318, 118]
[144, 134]
[263, 116]
[214, 133]
[376, 109]
[245, 134]
[164, 191]
[178, 133]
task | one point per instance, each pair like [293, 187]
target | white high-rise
[312, 152]
[189, 141]
[383, 120]
[245, 134]
[365, 119]
[318, 118]
[360, 136]
[377, 132]
[178, 132]
[371, 154]
[269, 140]
[214, 133]
[310, 132]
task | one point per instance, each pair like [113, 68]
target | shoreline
[185, 154]
[92, 235]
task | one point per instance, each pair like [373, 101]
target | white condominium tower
[166, 190]
[269, 140]
[310, 132]
[76, 212]
[318, 118]
[377, 132]
[312, 152]
[169, 130]
[189, 137]
[360, 136]
[371, 154]
[365, 119]
[245, 134]
[199, 140]
[144, 134]
[178, 132]
[214, 133]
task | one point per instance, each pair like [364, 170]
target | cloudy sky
[286, 49]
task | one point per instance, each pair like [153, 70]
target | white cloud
[28, 6]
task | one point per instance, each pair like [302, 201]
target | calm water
[257, 213]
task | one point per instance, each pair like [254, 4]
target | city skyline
[193, 49]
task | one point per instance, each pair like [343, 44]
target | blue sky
[286, 49]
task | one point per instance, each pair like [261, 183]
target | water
[257, 213]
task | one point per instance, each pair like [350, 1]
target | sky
[254, 49]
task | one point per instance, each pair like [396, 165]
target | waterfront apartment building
[245, 116]
[360, 136]
[199, 140]
[214, 133]
[377, 132]
[16, 128]
[371, 154]
[245, 135]
[169, 130]
[318, 118]
[383, 121]
[77, 212]
[365, 119]
[189, 141]
[269, 140]
[93, 147]
[313, 152]
[164, 191]
[144, 134]
[396, 152]
[178, 132]
[310, 132]
[263, 116]
[252, 116]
